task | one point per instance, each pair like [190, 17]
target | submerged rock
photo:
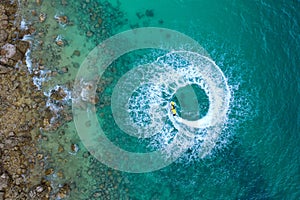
[62, 19]
[42, 17]
[60, 174]
[60, 149]
[89, 33]
[74, 148]
[76, 53]
[38, 2]
[64, 2]
[76, 65]
[63, 191]
[149, 13]
[65, 69]
[49, 171]
[58, 94]
[60, 41]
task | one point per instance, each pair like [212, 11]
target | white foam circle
[154, 76]
[201, 71]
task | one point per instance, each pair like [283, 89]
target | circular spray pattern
[141, 99]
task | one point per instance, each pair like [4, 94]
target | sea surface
[256, 45]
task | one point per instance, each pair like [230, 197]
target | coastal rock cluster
[22, 114]
[100, 19]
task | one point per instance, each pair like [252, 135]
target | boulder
[8, 50]
[3, 17]
[4, 181]
[10, 54]
[3, 35]
[4, 70]
[22, 46]
[3, 21]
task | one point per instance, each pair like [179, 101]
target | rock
[49, 171]
[33, 12]
[3, 35]
[60, 149]
[39, 189]
[38, 2]
[139, 15]
[74, 148]
[40, 156]
[3, 24]
[63, 192]
[4, 180]
[19, 181]
[100, 21]
[76, 65]
[97, 195]
[42, 17]
[64, 2]
[88, 123]
[89, 33]
[58, 94]
[60, 174]
[86, 154]
[76, 53]
[4, 70]
[8, 50]
[22, 46]
[62, 19]
[65, 69]
[149, 13]
[54, 73]
[17, 92]
[60, 41]
[3, 21]
[10, 53]
[3, 17]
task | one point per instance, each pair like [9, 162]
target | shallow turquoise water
[256, 44]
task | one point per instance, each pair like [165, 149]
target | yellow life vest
[173, 109]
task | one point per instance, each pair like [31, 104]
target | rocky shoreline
[35, 112]
[23, 113]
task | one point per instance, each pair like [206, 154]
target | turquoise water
[256, 44]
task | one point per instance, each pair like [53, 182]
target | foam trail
[28, 60]
[23, 25]
[154, 86]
